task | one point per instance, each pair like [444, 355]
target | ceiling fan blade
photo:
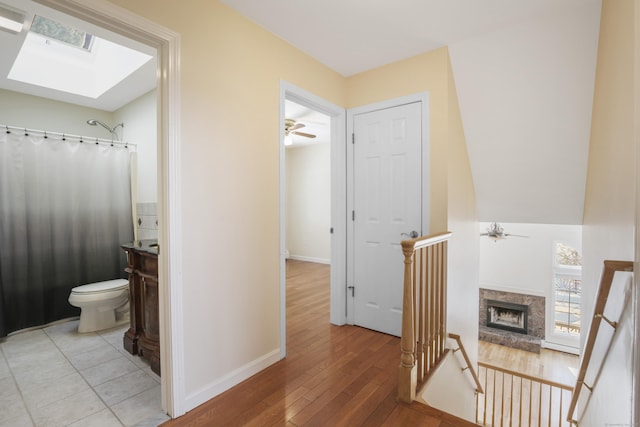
[307, 135]
[515, 235]
[297, 126]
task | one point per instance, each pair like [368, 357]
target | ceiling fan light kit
[291, 128]
[496, 232]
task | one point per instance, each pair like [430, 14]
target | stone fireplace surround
[535, 325]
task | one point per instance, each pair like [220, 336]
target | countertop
[149, 246]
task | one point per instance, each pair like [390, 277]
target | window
[76, 62]
[567, 290]
[64, 33]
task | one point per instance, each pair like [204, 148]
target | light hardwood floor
[549, 364]
[332, 375]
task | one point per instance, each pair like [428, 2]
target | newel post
[408, 378]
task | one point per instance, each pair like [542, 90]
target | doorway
[166, 42]
[337, 223]
[308, 187]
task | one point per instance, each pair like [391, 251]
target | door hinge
[353, 291]
[331, 230]
[353, 138]
[353, 215]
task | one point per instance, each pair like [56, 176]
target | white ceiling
[524, 73]
[523, 70]
[358, 35]
[137, 84]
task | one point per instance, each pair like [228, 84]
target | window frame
[555, 336]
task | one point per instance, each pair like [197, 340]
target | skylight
[63, 58]
[55, 30]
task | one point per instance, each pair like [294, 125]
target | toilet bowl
[102, 304]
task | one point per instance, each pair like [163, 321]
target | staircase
[503, 397]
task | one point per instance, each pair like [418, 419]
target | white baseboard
[233, 378]
[560, 347]
[310, 259]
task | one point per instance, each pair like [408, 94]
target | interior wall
[140, 127]
[520, 87]
[17, 109]
[139, 116]
[309, 202]
[609, 216]
[464, 262]
[229, 152]
[526, 265]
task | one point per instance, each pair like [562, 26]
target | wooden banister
[470, 367]
[511, 398]
[609, 270]
[526, 377]
[424, 329]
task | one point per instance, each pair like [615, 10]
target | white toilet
[103, 304]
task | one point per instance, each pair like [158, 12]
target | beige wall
[426, 72]
[451, 391]
[462, 221]
[231, 71]
[230, 85]
[609, 215]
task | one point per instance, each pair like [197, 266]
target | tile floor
[57, 377]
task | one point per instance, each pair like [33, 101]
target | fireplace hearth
[507, 316]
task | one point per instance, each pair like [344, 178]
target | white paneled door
[387, 191]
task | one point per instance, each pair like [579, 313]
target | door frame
[423, 99]
[167, 42]
[337, 114]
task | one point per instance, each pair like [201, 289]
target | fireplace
[497, 325]
[507, 316]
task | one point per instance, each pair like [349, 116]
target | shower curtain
[65, 208]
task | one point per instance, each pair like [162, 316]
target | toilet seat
[101, 287]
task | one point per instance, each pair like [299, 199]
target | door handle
[411, 235]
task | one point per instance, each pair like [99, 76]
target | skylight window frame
[87, 38]
[75, 70]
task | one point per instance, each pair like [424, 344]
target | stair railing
[606, 280]
[514, 399]
[468, 365]
[424, 315]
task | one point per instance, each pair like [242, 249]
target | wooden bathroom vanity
[143, 336]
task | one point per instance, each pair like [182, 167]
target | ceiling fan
[496, 232]
[291, 128]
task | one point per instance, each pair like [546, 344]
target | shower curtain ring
[96, 141]
[25, 132]
[6, 126]
[63, 137]
[45, 135]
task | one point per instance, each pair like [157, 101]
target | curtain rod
[65, 136]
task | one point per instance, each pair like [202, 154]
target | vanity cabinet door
[143, 336]
[151, 328]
